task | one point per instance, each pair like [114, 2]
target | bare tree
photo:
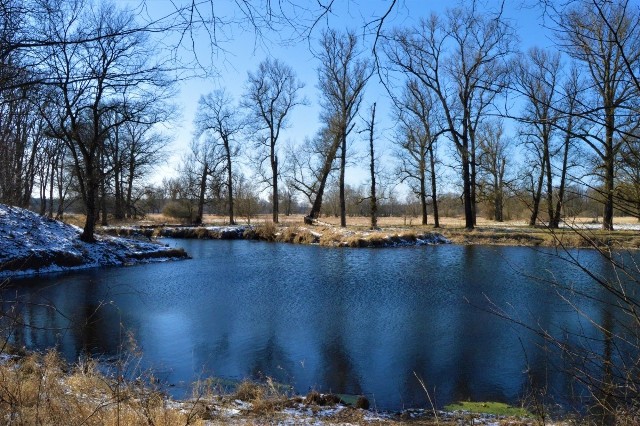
[217, 116]
[22, 132]
[570, 124]
[142, 149]
[537, 79]
[91, 81]
[272, 92]
[594, 37]
[493, 161]
[342, 77]
[462, 60]
[373, 199]
[304, 164]
[418, 128]
[200, 169]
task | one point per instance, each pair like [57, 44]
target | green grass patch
[494, 408]
[347, 399]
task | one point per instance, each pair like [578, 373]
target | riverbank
[33, 244]
[323, 235]
[577, 234]
[42, 389]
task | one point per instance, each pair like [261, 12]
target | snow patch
[34, 244]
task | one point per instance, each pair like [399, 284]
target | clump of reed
[266, 398]
[265, 231]
[42, 389]
[297, 235]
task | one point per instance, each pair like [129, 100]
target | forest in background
[480, 127]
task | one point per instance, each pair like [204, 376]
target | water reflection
[347, 321]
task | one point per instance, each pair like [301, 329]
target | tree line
[456, 81]
[83, 89]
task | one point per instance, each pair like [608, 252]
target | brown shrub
[266, 231]
[249, 391]
[182, 210]
[316, 398]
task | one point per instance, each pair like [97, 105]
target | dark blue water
[355, 321]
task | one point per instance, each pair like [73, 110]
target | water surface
[355, 321]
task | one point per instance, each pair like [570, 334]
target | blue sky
[243, 51]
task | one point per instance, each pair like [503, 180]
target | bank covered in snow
[33, 244]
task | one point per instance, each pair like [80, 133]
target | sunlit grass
[493, 408]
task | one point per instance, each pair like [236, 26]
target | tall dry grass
[44, 390]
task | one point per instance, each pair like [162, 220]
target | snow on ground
[597, 226]
[33, 244]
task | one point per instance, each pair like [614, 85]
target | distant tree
[271, 94]
[220, 120]
[493, 161]
[22, 135]
[462, 59]
[537, 79]
[200, 170]
[570, 124]
[342, 76]
[133, 149]
[418, 129]
[247, 200]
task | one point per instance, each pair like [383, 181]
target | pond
[353, 321]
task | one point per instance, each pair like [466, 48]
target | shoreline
[328, 235]
[55, 384]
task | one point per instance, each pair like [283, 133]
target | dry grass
[41, 389]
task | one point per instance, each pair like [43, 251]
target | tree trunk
[91, 208]
[423, 199]
[203, 190]
[434, 194]
[499, 191]
[103, 202]
[43, 189]
[326, 169]
[537, 195]
[343, 166]
[130, 210]
[229, 183]
[468, 203]
[472, 183]
[547, 159]
[118, 208]
[609, 172]
[61, 194]
[52, 177]
[374, 201]
[555, 223]
[274, 169]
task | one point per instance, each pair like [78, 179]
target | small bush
[295, 235]
[179, 210]
[249, 391]
[316, 398]
[266, 231]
